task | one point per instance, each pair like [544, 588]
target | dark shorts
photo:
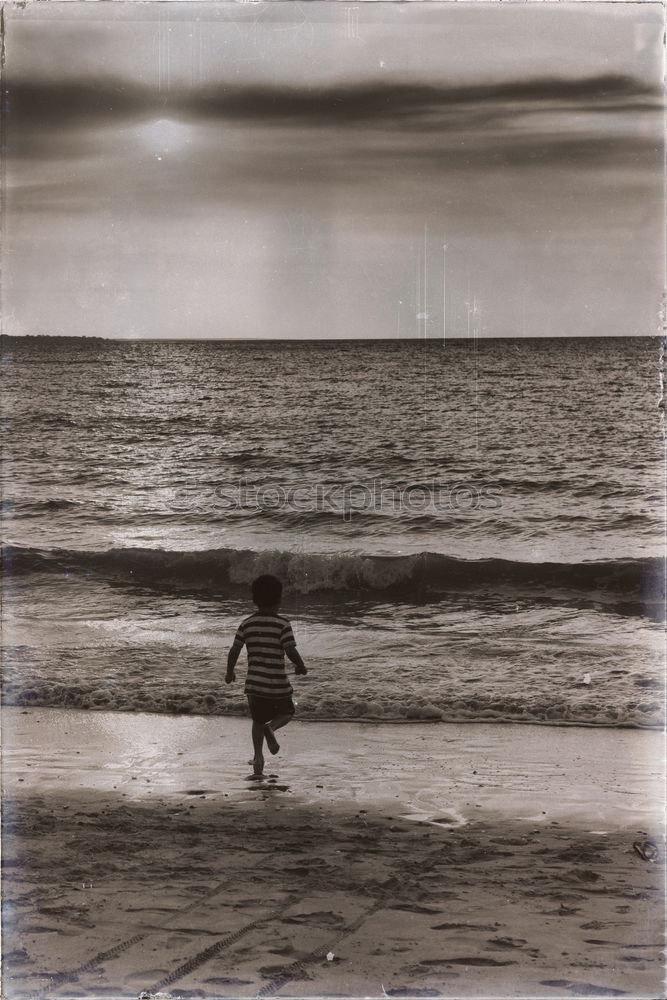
[265, 709]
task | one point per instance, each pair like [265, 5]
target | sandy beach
[425, 860]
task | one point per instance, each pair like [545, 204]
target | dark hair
[266, 591]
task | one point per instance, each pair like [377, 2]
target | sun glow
[164, 136]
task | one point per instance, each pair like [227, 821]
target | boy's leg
[281, 720]
[284, 710]
[258, 744]
[277, 723]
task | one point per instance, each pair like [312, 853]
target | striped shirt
[266, 637]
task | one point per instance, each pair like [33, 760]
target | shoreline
[312, 718]
[657, 727]
[138, 859]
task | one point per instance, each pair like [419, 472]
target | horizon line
[324, 340]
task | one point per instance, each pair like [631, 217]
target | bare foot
[271, 741]
[257, 764]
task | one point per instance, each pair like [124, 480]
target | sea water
[465, 531]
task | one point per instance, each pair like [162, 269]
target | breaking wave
[636, 584]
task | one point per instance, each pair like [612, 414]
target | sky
[324, 170]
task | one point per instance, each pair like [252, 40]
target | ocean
[468, 531]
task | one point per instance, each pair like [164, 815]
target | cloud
[100, 101]
[62, 120]
[401, 103]
[83, 103]
[316, 135]
[549, 151]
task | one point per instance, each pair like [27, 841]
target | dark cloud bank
[448, 127]
[91, 102]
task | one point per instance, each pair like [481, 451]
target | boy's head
[267, 591]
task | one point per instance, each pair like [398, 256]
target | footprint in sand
[16, 957]
[284, 951]
[416, 908]
[464, 927]
[506, 942]
[44, 929]
[410, 991]
[616, 944]
[273, 971]
[467, 960]
[325, 917]
[226, 981]
[583, 989]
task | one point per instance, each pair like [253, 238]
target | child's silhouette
[267, 637]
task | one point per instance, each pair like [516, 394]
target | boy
[267, 636]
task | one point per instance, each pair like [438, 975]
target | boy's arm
[232, 657]
[233, 654]
[288, 643]
[293, 654]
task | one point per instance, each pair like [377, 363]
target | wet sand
[425, 860]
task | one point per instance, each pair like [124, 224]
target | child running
[267, 637]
